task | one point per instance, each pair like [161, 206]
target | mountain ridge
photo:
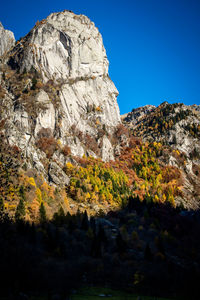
[177, 126]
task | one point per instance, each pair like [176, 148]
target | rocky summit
[55, 85]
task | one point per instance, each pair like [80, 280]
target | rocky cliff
[56, 94]
[7, 40]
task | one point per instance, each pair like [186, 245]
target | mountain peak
[62, 46]
[58, 94]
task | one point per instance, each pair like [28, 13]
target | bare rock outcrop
[68, 49]
[56, 92]
[7, 40]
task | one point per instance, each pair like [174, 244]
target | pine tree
[2, 207]
[20, 211]
[42, 213]
[22, 192]
[59, 217]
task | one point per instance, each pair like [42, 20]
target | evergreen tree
[2, 207]
[20, 211]
[22, 192]
[59, 216]
[42, 213]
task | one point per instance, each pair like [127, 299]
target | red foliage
[2, 123]
[120, 130]
[171, 173]
[47, 145]
[66, 150]
[91, 143]
[16, 149]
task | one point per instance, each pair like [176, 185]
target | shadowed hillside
[146, 248]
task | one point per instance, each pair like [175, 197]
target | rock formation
[55, 86]
[7, 40]
[68, 49]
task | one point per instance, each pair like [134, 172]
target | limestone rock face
[63, 46]
[56, 91]
[45, 118]
[107, 150]
[69, 49]
[7, 40]
[57, 175]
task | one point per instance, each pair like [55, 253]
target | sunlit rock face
[7, 40]
[75, 100]
[69, 49]
[64, 46]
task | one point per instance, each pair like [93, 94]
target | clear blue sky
[153, 45]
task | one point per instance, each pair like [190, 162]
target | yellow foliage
[154, 144]
[103, 197]
[12, 207]
[39, 195]
[31, 181]
[59, 142]
[69, 166]
[87, 196]
[171, 200]
[93, 197]
[164, 198]
[110, 198]
[98, 108]
[96, 190]
[156, 198]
